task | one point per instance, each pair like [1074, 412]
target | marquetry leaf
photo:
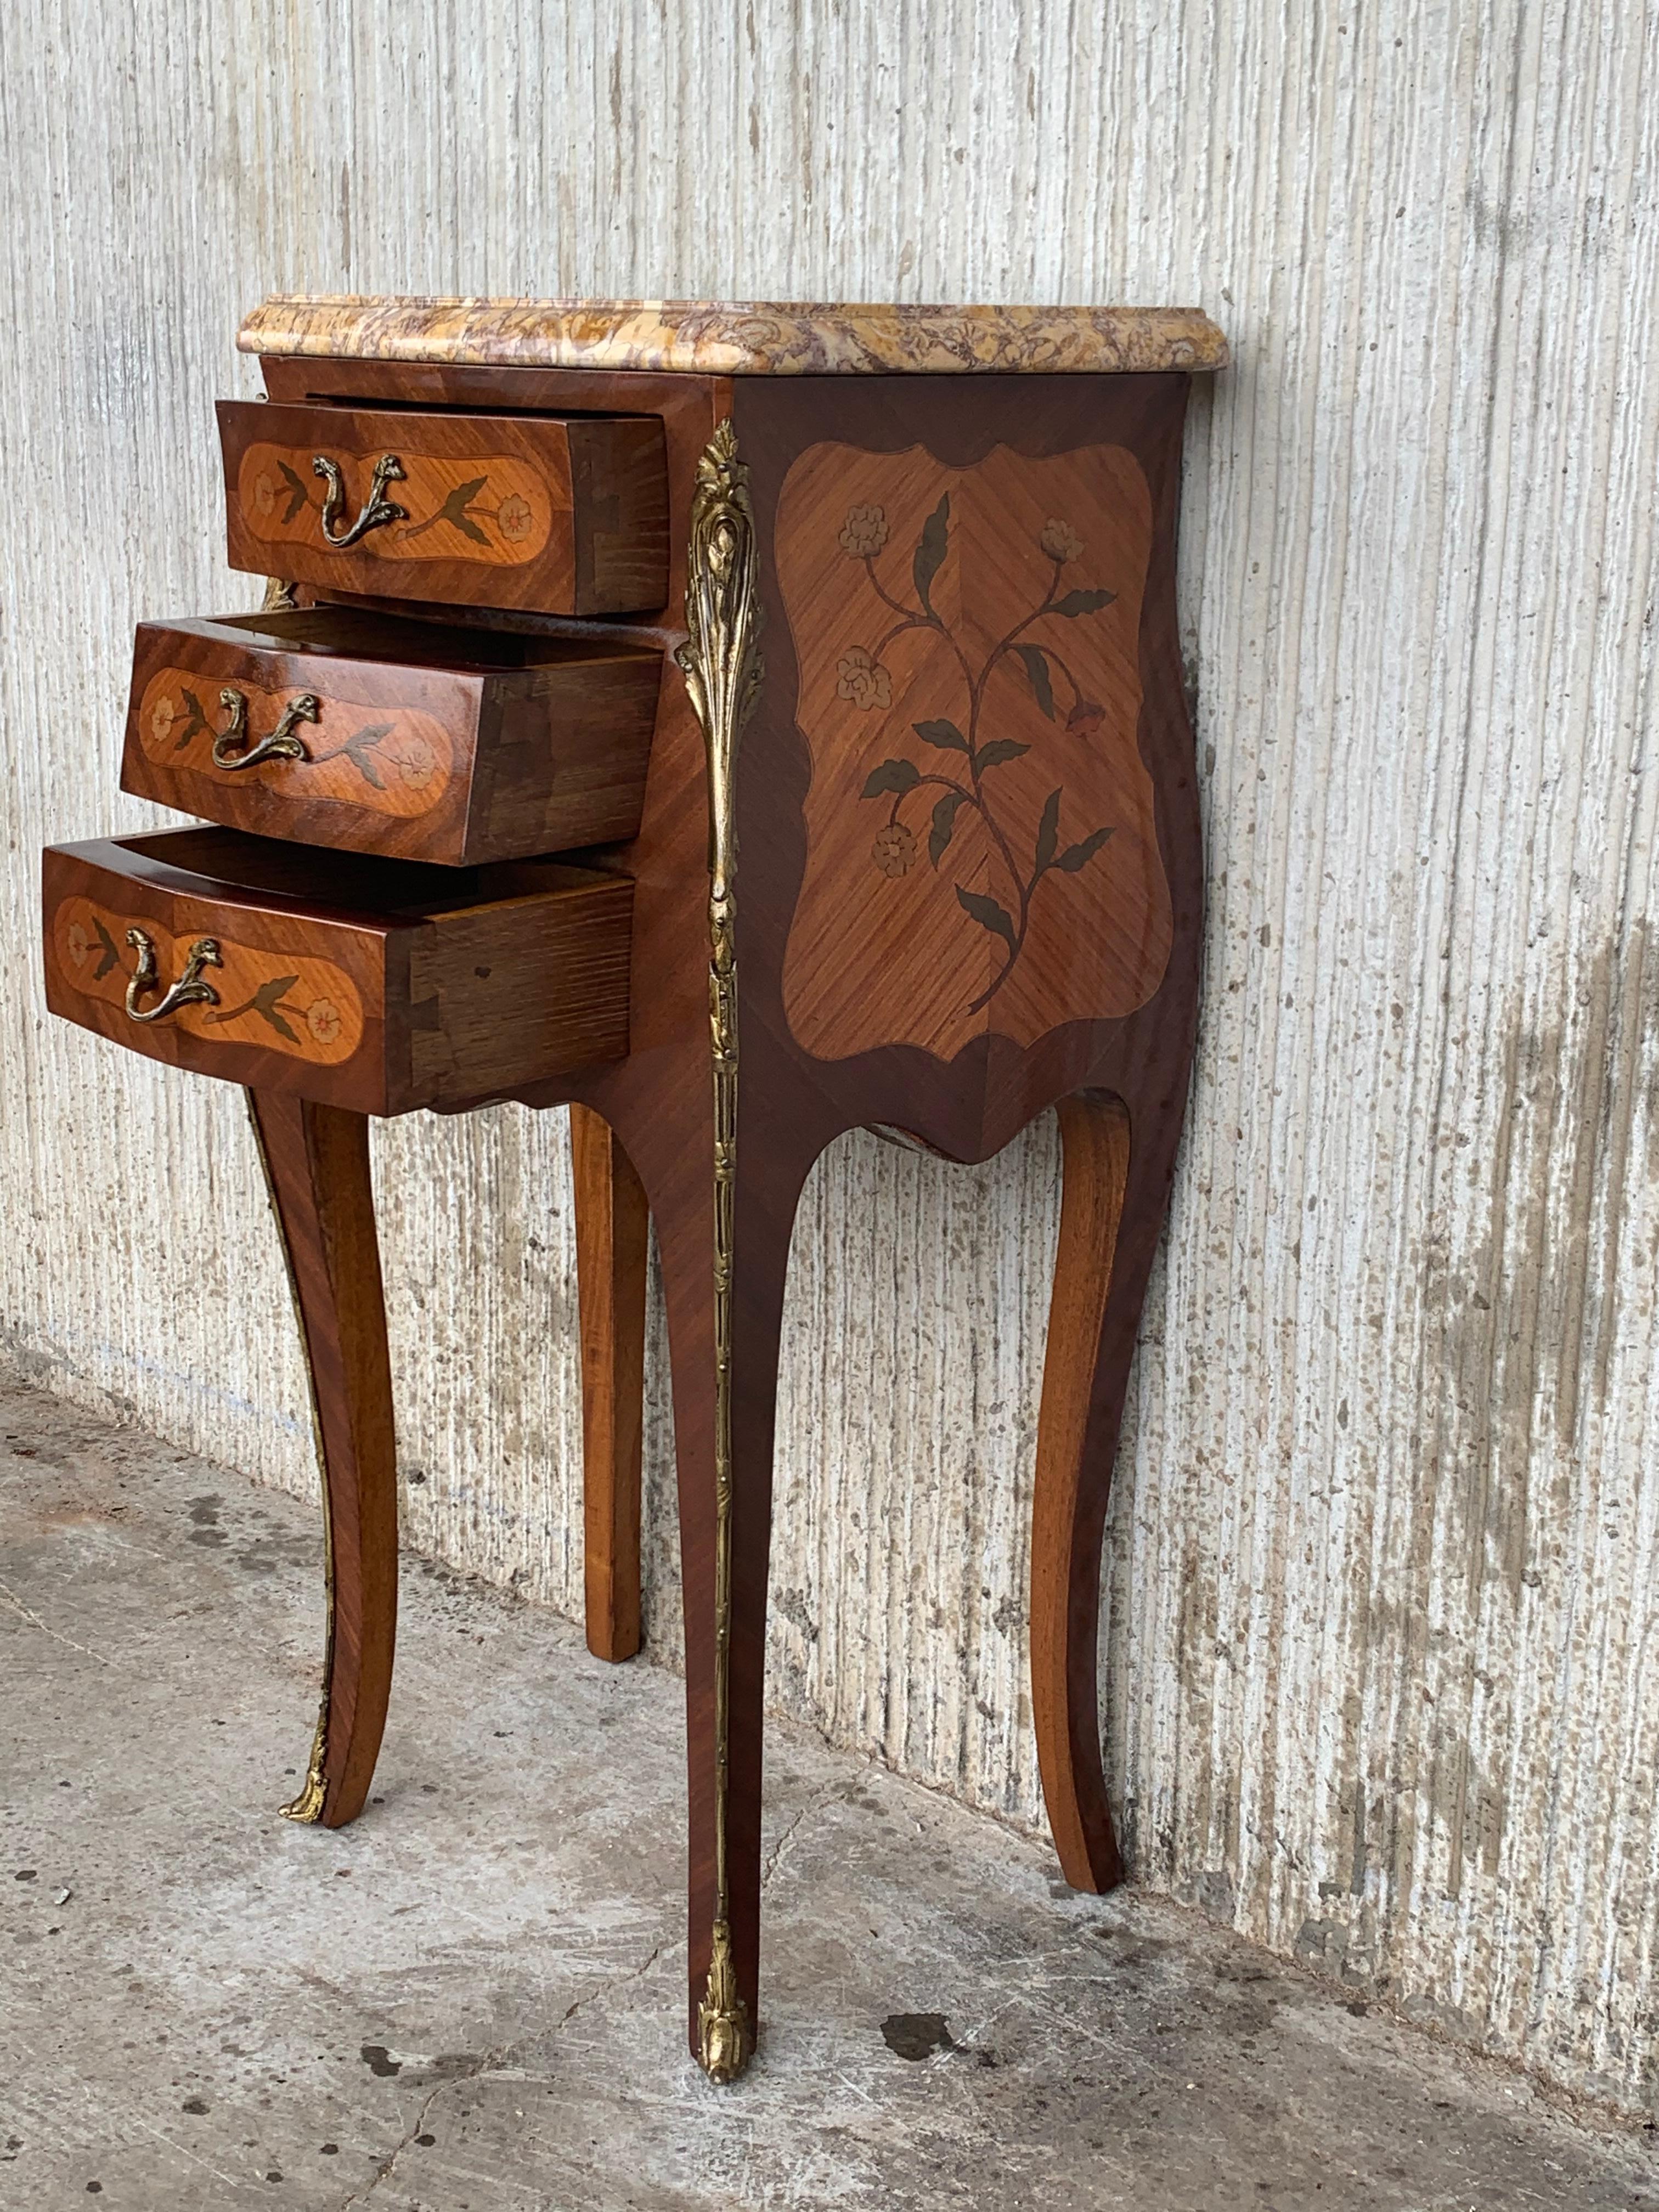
[198, 720]
[356, 750]
[1036, 668]
[299, 495]
[1084, 603]
[1048, 836]
[891, 775]
[943, 733]
[455, 507]
[930, 550]
[264, 1003]
[265, 1000]
[988, 914]
[945, 824]
[108, 956]
[1000, 749]
[453, 510]
[1076, 856]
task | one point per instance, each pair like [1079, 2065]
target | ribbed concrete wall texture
[1384, 1552]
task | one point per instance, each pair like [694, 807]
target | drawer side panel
[520, 992]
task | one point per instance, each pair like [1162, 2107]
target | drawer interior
[360, 404]
[226, 863]
[348, 633]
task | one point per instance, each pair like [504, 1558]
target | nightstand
[742, 724]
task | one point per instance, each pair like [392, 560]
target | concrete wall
[1380, 1655]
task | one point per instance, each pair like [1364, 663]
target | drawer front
[344, 729]
[295, 1004]
[562, 515]
[272, 999]
[362, 984]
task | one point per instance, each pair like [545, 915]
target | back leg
[1115, 1187]
[612, 1232]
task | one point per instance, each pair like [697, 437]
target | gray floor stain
[916, 2034]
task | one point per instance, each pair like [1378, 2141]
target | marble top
[739, 338]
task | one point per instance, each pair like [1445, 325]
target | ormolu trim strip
[722, 669]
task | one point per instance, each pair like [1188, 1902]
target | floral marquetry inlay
[300, 1005]
[486, 507]
[982, 852]
[391, 761]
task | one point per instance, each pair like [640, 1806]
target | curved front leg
[316, 1163]
[1116, 1184]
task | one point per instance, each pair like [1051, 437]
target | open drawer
[562, 514]
[379, 985]
[339, 726]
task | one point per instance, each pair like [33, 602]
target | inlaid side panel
[981, 848]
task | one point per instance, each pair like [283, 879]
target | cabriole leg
[1116, 1182]
[316, 1162]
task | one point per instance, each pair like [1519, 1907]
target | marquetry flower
[1059, 540]
[514, 517]
[416, 763]
[1086, 718]
[79, 943]
[264, 494]
[161, 716]
[865, 531]
[863, 679]
[895, 850]
[323, 1020]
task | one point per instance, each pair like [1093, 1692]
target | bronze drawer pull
[377, 510]
[189, 990]
[280, 743]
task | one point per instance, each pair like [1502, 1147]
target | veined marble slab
[743, 338]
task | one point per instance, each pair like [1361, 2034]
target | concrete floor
[471, 2000]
